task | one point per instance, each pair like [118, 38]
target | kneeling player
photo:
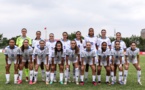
[88, 57]
[132, 56]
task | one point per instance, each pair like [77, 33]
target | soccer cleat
[19, 82]
[82, 83]
[121, 83]
[99, 82]
[61, 82]
[65, 83]
[7, 82]
[77, 83]
[124, 82]
[43, 79]
[30, 82]
[47, 83]
[34, 82]
[139, 83]
[108, 83]
[112, 83]
[27, 79]
[94, 83]
[55, 80]
[51, 83]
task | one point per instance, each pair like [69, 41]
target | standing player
[88, 57]
[132, 56]
[117, 54]
[72, 56]
[57, 58]
[11, 55]
[26, 56]
[66, 45]
[19, 43]
[35, 44]
[80, 43]
[103, 60]
[93, 40]
[51, 45]
[102, 39]
[123, 47]
[41, 55]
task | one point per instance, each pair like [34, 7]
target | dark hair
[102, 45]
[81, 37]
[103, 30]
[133, 42]
[37, 32]
[11, 40]
[24, 29]
[58, 42]
[76, 47]
[41, 41]
[116, 42]
[65, 33]
[118, 33]
[23, 47]
[90, 30]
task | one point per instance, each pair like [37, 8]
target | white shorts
[70, 61]
[132, 61]
[11, 61]
[57, 62]
[90, 62]
[44, 61]
[103, 63]
[117, 62]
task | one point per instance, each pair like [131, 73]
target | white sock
[15, 77]
[86, 75]
[20, 74]
[47, 76]
[55, 75]
[66, 74]
[93, 78]
[107, 78]
[43, 73]
[77, 74]
[138, 75]
[112, 76]
[115, 78]
[82, 78]
[7, 77]
[61, 77]
[35, 76]
[99, 77]
[51, 77]
[31, 75]
[120, 75]
[125, 75]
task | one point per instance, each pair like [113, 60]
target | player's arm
[107, 60]
[126, 57]
[138, 58]
[6, 56]
[112, 56]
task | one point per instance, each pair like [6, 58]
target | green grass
[131, 84]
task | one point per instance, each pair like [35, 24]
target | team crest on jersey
[104, 56]
[51, 48]
[117, 56]
[72, 55]
[12, 55]
[79, 46]
[92, 43]
[64, 47]
[88, 57]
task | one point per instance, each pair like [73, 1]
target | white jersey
[35, 43]
[101, 40]
[93, 41]
[27, 53]
[117, 54]
[132, 55]
[104, 55]
[12, 53]
[58, 56]
[50, 45]
[80, 45]
[66, 44]
[41, 54]
[71, 54]
[88, 55]
[122, 45]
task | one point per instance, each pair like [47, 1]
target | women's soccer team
[80, 54]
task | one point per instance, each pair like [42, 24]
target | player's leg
[93, 67]
[7, 67]
[31, 75]
[52, 72]
[107, 74]
[67, 68]
[42, 71]
[115, 71]
[38, 62]
[82, 73]
[15, 72]
[138, 68]
[55, 73]
[86, 72]
[126, 67]
[22, 64]
[76, 73]
[61, 70]
[120, 73]
[47, 73]
[112, 74]
[99, 67]
[26, 71]
[73, 73]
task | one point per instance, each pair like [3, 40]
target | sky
[127, 17]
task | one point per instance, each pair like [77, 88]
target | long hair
[81, 37]
[90, 30]
[56, 50]
[23, 47]
[36, 33]
[120, 34]
[76, 47]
